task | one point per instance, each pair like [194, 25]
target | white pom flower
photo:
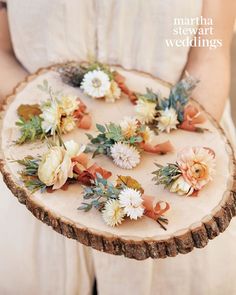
[51, 116]
[131, 200]
[113, 93]
[167, 120]
[128, 127]
[113, 214]
[145, 110]
[96, 83]
[125, 156]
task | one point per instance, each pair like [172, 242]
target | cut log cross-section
[193, 221]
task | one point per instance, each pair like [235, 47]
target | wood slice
[192, 221]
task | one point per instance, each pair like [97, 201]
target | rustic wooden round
[158, 244]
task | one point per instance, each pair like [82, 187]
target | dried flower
[129, 127]
[96, 83]
[124, 155]
[181, 187]
[147, 134]
[112, 213]
[197, 165]
[55, 167]
[67, 124]
[113, 93]
[68, 105]
[51, 116]
[73, 148]
[167, 120]
[131, 200]
[145, 110]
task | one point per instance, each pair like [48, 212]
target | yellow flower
[113, 93]
[68, 105]
[55, 167]
[147, 135]
[128, 127]
[145, 110]
[67, 124]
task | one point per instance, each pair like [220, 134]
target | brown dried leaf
[26, 111]
[129, 182]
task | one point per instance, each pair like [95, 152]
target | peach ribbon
[84, 119]
[154, 209]
[86, 175]
[161, 148]
[120, 80]
[192, 116]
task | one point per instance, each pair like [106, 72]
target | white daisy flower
[145, 110]
[112, 213]
[51, 116]
[128, 126]
[124, 155]
[96, 83]
[167, 120]
[131, 200]
[113, 93]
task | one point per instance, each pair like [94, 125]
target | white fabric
[34, 259]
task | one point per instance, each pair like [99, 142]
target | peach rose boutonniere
[194, 168]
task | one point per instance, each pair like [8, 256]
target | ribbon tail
[161, 148]
[85, 122]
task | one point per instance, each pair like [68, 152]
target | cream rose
[55, 167]
[73, 148]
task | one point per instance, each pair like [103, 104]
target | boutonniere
[124, 199]
[60, 166]
[97, 80]
[194, 168]
[165, 114]
[59, 114]
[124, 142]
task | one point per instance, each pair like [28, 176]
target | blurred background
[233, 75]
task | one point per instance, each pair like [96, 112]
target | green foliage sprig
[29, 174]
[108, 135]
[166, 175]
[30, 129]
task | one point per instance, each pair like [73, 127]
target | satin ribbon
[161, 148]
[154, 209]
[120, 80]
[192, 116]
[84, 120]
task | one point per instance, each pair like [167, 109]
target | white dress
[36, 260]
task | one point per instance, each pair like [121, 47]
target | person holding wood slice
[142, 35]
